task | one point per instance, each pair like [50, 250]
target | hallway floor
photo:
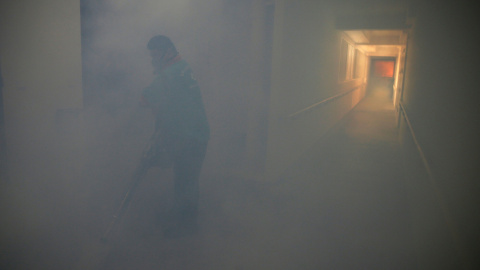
[351, 190]
[343, 205]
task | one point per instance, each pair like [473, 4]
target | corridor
[308, 166]
[341, 206]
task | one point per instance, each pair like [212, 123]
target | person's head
[161, 50]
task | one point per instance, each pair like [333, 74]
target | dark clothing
[183, 130]
[176, 99]
[187, 166]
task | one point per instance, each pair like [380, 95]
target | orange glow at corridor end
[384, 68]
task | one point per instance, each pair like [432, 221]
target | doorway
[381, 77]
[3, 143]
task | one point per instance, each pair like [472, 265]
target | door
[382, 77]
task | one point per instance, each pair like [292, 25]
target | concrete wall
[42, 93]
[259, 90]
[41, 67]
[304, 72]
[42, 96]
[441, 101]
[399, 77]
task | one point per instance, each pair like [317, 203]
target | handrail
[440, 198]
[321, 103]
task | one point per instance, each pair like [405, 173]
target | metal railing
[321, 103]
[452, 226]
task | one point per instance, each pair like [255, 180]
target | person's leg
[187, 168]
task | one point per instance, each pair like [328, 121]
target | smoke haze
[337, 203]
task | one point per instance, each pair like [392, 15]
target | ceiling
[378, 42]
